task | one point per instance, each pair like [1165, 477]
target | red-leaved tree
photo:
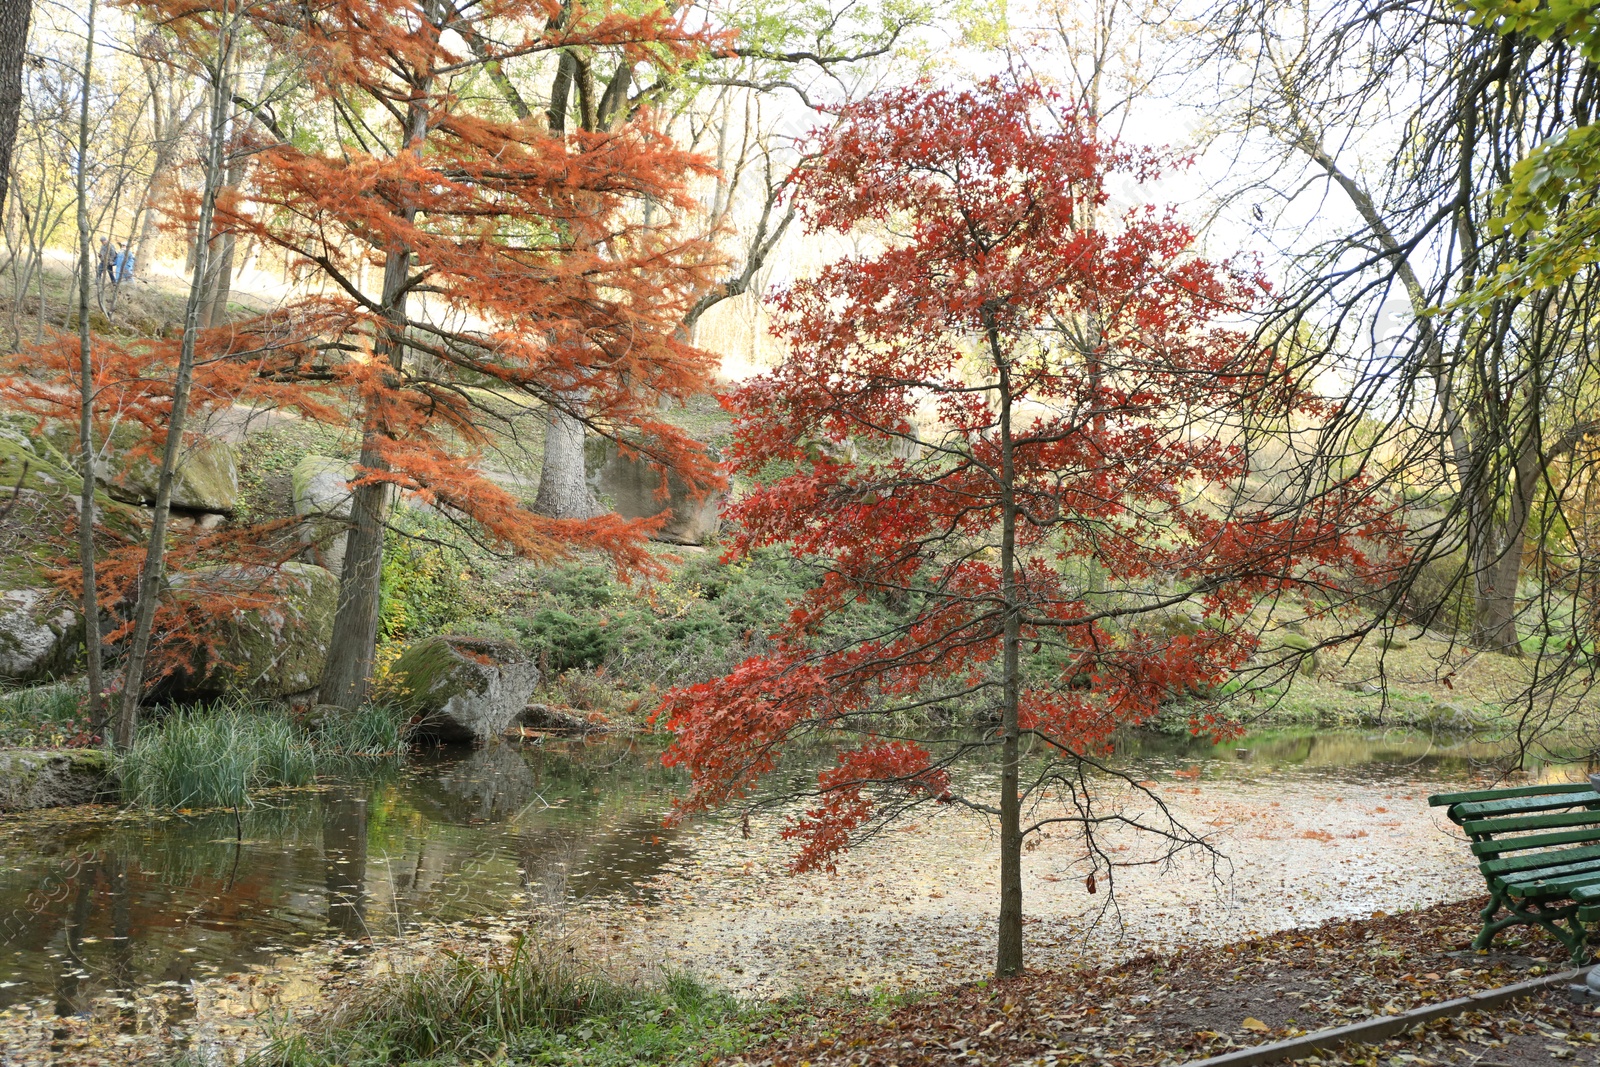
[1088, 478]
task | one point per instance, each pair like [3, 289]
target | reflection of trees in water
[131, 903]
[344, 857]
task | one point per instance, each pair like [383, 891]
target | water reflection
[102, 905]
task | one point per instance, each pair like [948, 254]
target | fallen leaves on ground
[1188, 1004]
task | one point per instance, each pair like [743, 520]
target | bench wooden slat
[1520, 805]
[1587, 894]
[1558, 886]
[1441, 799]
[1512, 823]
[1512, 864]
[1498, 845]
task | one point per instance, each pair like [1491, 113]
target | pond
[92, 903]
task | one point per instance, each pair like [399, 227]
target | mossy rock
[34, 537]
[206, 478]
[321, 495]
[463, 688]
[273, 645]
[51, 778]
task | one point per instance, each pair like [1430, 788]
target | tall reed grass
[214, 757]
[372, 731]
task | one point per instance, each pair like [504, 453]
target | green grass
[216, 756]
[45, 716]
[533, 1002]
[372, 731]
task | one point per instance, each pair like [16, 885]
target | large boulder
[321, 487]
[463, 688]
[266, 632]
[632, 485]
[206, 478]
[40, 630]
[39, 634]
[51, 778]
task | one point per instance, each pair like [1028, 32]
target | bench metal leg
[1560, 920]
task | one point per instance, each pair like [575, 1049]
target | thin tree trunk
[155, 553]
[348, 667]
[1008, 955]
[86, 554]
[14, 18]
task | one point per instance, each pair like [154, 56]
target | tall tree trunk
[14, 18]
[1008, 956]
[1497, 557]
[348, 669]
[152, 575]
[564, 491]
[86, 553]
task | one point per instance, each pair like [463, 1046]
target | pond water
[96, 902]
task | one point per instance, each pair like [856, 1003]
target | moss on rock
[463, 688]
[54, 778]
[264, 651]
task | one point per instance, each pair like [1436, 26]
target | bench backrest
[1523, 818]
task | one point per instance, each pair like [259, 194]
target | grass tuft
[213, 757]
[372, 731]
[531, 1002]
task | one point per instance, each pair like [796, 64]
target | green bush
[424, 589]
[214, 757]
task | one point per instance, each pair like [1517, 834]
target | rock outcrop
[40, 627]
[39, 634]
[463, 688]
[206, 478]
[51, 778]
[632, 483]
[268, 630]
[321, 487]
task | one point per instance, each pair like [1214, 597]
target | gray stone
[31, 779]
[205, 479]
[321, 488]
[39, 634]
[544, 717]
[268, 630]
[463, 688]
[632, 484]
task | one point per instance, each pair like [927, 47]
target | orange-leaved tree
[1086, 478]
[459, 256]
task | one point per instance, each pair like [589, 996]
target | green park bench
[1538, 847]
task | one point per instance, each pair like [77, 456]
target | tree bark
[153, 573]
[14, 18]
[1008, 955]
[86, 552]
[564, 491]
[348, 669]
